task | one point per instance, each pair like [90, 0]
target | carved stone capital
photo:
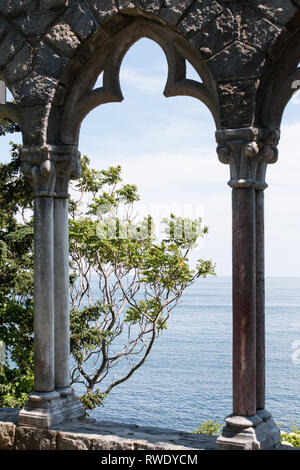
[42, 176]
[50, 169]
[248, 151]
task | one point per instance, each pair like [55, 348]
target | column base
[48, 409]
[258, 432]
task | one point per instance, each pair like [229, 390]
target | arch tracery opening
[179, 154]
[83, 96]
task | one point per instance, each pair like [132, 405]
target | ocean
[187, 378]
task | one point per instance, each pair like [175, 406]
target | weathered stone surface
[20, 66]
[7, 435]
[172, 11]
[3, 27]
[127, 4]
[35, 90]
[9, 46]
[99, 435]
[48, 4]
[62, 39]
[280, 11]
[217, 34]
[49, 62]
[259, 32]
[36, 23]
[33, 121]
[32, 439]
[152, 6]
[199, 16]
[103, 9]
[237, 103]
[236, 61]
[81, 19]
[18, 7]
[68, 441]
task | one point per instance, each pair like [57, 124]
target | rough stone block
[9, 46]
[68, 441]
[81, 19]
[236, 61]
[217, 35]
[49, 62]
[103, 9]
[237, 103]
[18, 7]
[33, 120]
[35, 24]
[3, 27]
[280, 11]
[127, 4]
[62, 39]
[7, 436]
[28, 438]
[199, 16]
[35, 90]
[173, 10]
[258, 31]
[20, 66]
[151, 6]
[48, 4]
[108, 443]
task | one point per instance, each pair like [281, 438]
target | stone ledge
[90, 434]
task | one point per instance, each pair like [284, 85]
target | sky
[166, 146]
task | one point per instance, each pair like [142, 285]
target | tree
[137, 281]
[16, 280]
[123, 282]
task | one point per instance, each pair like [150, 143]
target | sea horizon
[187, 378]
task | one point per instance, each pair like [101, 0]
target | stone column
[61, 301]
[244, 299]
[46, 405]
[43, 295]
[268, 155]
[66, 167]
[245, 150]
[260, 301]
[40, 169]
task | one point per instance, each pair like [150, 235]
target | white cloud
[135, 78]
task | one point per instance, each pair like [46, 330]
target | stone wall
[45, 43]
[92, 435]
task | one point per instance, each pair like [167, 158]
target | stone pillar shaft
[248, 151]
[244, 302]
[61, 287]
[43, 295]
[260, 302]
[53, 401]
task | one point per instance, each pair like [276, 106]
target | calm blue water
[187, 377]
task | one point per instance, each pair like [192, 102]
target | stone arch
[283, 82]
[81, 98]
[246, 54]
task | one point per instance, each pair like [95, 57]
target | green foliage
[139, 281]
[293, 437]
[210, 427]
[15, 384]
[8, 127]
[91, 400]
[16, 280]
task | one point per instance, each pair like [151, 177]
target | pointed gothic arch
[246, 53]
